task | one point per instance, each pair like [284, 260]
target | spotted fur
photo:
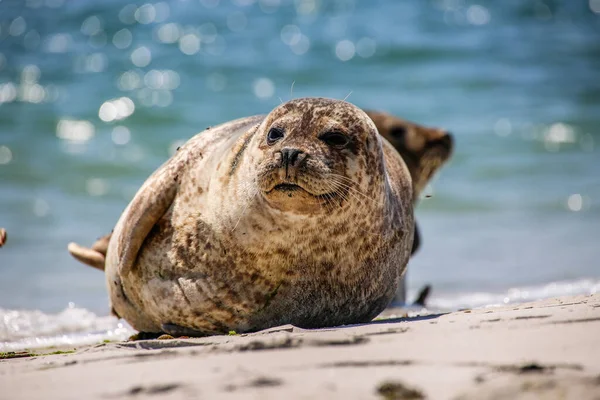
[210, 243]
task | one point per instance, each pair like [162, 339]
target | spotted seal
[303, 216]
[424, 150]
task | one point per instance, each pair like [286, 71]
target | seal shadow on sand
[285, 336]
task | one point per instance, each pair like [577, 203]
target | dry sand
[542, 350]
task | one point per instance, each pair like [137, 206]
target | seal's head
[313, 153]
[423, 149]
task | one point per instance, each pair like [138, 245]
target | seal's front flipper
[87, 256]
[148, 206]
[176, 330]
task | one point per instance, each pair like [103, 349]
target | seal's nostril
[448, 141]
[445, 141]
[292, 157]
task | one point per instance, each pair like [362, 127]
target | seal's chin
[288, 196]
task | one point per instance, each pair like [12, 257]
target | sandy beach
[546, 349]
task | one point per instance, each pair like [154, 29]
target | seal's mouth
[292, 188]
[287, 187]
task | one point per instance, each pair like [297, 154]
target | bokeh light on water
[95, 95]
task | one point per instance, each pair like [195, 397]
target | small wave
[33, 329]
[515, 295]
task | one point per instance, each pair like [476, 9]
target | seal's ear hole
[274, 135]
[335, 139]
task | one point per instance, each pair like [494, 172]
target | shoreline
[540, 349]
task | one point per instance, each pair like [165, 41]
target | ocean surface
[95, 95]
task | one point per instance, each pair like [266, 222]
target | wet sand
[541, 350]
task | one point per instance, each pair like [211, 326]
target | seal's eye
[398, 132]
[335, 139]
[274, 135]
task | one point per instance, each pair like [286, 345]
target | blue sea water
[95, 95]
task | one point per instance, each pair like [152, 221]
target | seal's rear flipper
[416, 240]
[422, 297]
[87, 256]
[96, 256]
[101, 245]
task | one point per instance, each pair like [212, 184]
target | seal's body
[303, 216]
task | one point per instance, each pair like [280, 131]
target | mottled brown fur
[211, 244]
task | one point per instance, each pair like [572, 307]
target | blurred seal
[424, 149]
[2, 236]
[304, 216]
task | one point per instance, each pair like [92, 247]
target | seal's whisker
[330, 197]
[329, 206]
[342, 177]
[342, 185]
[361, 200]
[339, 185]
[348, 95]
[329, 202]
[351, 183]
[280, 100]
[342, 190]
[292, 90]
[336, 178]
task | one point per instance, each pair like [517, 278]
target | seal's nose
[446, 141]
[292, 157]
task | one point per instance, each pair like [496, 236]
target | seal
[424, 150]
[302, 217]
